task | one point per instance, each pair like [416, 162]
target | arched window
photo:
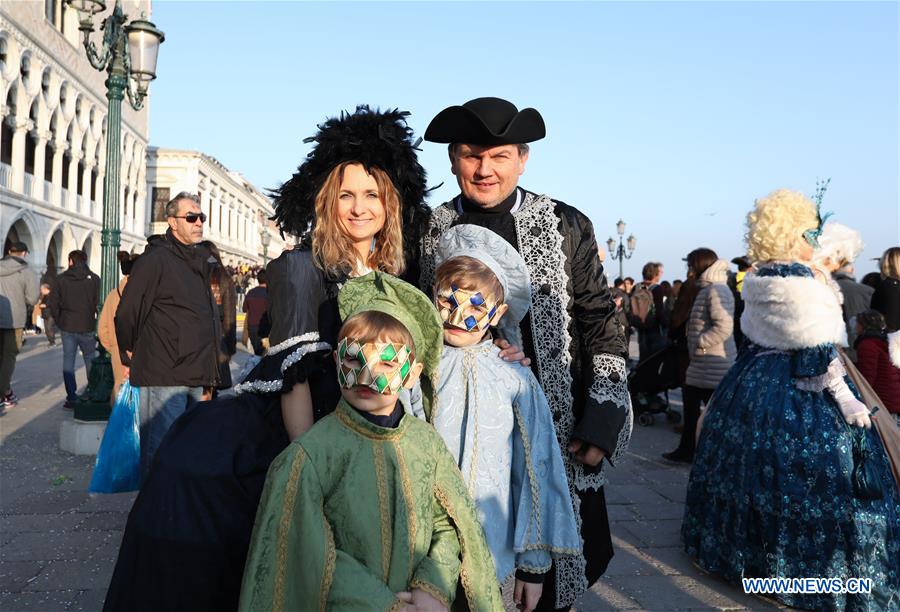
[30, 143]
[66, 161]
[30, 146]
[51, 12]
[6, 131]
[80, 178]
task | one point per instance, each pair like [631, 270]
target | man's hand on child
[585, 453]
[526, 595]
[511, 352]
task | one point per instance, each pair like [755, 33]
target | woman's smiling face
[360, 209]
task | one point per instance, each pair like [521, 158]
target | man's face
[487, 175]
[187, 231]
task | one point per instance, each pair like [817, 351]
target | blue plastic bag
[118, 465]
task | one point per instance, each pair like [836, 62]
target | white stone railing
[29, 186]
[48, 191]
[64, 198]
[5, 175]
[79, 204]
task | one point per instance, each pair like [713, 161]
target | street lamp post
[128, 55]
[619, 252]
[265, 239]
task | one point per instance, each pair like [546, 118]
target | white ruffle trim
[605, 389]
[309, 337]
[270, 386]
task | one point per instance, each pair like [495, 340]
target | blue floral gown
[770, 492]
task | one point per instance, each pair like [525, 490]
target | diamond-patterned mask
[383, 367]
[453, 305]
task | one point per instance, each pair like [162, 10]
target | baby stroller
[649, 385]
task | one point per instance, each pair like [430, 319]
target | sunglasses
[192, 217]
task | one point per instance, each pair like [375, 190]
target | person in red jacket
[874, 359]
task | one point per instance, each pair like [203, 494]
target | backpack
[643, 311]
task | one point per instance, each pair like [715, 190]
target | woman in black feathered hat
[356, 203]
[382, 143]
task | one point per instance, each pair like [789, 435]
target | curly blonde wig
[333, 249]
[776, 224]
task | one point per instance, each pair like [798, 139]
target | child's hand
[426, 603]
[406, 597]
[526, 595]
[511, 352]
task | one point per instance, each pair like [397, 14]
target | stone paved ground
[58, 544]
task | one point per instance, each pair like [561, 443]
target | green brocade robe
[352, 513]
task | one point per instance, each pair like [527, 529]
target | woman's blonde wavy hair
[332, 248]
[889, 264]
[776, 224]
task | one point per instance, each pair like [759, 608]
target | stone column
[90, 206]
[73, 179]
[20, 128]
[101, 177]
[59, 149]
[40, 137]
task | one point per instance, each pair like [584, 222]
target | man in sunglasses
[166, 324]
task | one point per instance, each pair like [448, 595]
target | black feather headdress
[372, 138]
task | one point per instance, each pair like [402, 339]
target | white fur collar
[894, 348]
[791, 313]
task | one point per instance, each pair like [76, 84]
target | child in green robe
[367, 510]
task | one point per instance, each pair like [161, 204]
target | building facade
[237, 213]
[53, 145]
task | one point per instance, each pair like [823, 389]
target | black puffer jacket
[74, 299]
[167, 318]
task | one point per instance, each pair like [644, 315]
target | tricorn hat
[374, 139]
[486, 122]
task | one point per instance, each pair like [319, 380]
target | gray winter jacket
[709, 329]
[19, 289]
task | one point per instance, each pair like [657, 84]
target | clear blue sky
[673, 116]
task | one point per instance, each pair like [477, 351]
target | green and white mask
[383, 367]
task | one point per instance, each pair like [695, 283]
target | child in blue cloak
[494, 416]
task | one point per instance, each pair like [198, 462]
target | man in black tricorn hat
[572, 334]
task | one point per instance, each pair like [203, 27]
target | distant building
[237, 213]
[53, 144]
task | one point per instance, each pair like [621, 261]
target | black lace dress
[189, 529]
